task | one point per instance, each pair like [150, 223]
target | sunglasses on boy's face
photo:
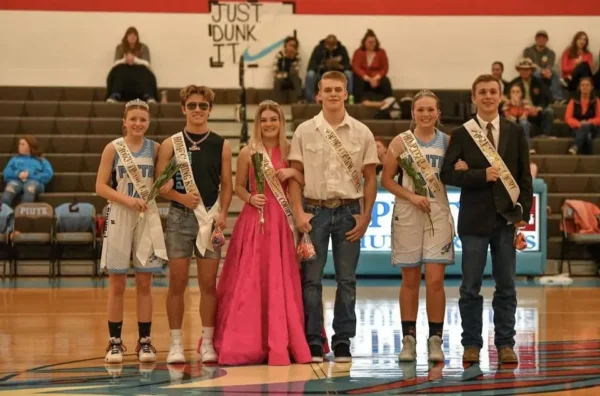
[191, 106]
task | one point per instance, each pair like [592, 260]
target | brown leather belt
[331, 203]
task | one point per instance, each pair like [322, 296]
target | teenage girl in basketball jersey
[413, 242]
[120, 241]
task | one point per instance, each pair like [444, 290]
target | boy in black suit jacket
[496, 198]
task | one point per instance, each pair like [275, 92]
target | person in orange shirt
[516, 109]
[583, 116]
[577, 61]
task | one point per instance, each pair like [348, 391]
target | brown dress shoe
[506, 354]
[471, 355]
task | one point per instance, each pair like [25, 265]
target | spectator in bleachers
[537, 94]
[577, 61]
[516, 109]
[27, 173]
[382, 147]
[583, 116]
[286, 68]
[545, 60]
[131, 76]
[370, 67]
[328, 55]
[497, 71]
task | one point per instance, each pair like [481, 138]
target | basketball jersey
[206, 168]
[434, 152]
[144, 158]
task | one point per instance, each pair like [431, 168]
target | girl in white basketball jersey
[422, 233]
[121, 236]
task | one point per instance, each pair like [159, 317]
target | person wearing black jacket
[493, 204]
[328, 55]
[538, 94]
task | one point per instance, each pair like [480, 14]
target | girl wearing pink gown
[260, 314]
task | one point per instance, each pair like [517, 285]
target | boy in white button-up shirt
[336, 181]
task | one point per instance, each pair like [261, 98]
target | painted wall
[442, 45]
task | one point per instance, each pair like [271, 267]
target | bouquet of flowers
[306, 250]
[420, 184]
[259, 176]
[519, 241]
[166, 175]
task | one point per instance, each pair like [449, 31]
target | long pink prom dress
[260, 314]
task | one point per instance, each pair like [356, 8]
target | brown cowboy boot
[507, 355]
[471, 355]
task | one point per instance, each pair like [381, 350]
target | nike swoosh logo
[251, 58]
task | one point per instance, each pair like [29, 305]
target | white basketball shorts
[120, 241]
[413, 242]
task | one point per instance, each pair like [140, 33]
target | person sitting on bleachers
[27, 173]
[370, 67]
[583, 116]
[545, 59]
[286, 69]
[131, 76]
[382, 147]
[537, 94]
[497, 71]
[328, 55]
[577, 61]
[516, 109]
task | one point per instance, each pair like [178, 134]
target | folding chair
[570, 237]
[75, 226]
[34, 226]
[6, 227]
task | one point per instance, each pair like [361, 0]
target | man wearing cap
[536, 93]
[544, 58]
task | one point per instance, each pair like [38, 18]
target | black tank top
[206, 167]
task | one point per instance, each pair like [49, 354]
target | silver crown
[425, 92]
[268, 102]
[137, 102]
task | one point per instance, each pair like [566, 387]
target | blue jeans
[527, 130]
[555, 86]
[504, 303]
[584, 137]
[312, 78]
[30, 189]
[334, 223]
[544, 119]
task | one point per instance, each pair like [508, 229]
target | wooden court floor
[53, 336]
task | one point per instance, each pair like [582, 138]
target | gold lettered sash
[151, 221]
[490, 153]
[334, 141]
[205, 219]
[279, 193]
[434, 185]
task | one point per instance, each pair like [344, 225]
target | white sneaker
[207, 352]
[114, 351]
[434, 345]
[176, 354]
[409, 349]
[145, 350]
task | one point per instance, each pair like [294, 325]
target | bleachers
[73, 124]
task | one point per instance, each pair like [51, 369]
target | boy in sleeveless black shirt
[194, 214]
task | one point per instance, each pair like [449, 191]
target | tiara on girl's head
[268, 102]
[137, 102]
[424, 92]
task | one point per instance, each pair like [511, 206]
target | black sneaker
[342, 353]
[316, 351]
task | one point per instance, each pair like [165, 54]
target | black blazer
[481, 201]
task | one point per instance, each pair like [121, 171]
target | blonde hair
[256, 137]
[424, 94]
[136, 104]
[334, 75]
